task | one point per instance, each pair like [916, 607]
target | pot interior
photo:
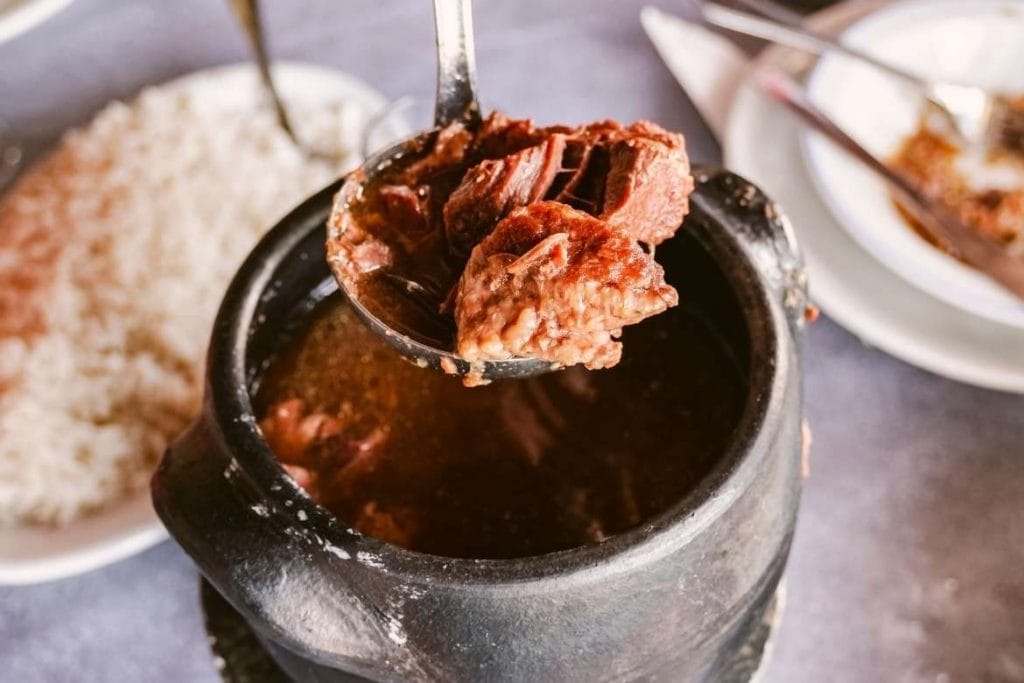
[301, 279]
[721, 305]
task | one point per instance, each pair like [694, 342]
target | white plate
[762, 142]
[18, 16]
[31, 554]
[980, 42]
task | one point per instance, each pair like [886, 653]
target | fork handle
[797, 36]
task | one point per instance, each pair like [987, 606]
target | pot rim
[229, 411]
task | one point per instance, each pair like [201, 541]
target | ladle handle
[456, 63]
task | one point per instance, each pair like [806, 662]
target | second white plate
[966, 41]
[762, 142]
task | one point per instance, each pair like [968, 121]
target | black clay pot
[669, 600]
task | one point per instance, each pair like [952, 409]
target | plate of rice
[114, 252]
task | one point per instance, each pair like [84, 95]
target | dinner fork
[980, 119]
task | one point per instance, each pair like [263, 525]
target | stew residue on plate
[946, 173]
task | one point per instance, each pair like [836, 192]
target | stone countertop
[907, 563]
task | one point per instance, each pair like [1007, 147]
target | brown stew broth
[421, 256]
[522, 467]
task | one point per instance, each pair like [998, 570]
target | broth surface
[513, 469]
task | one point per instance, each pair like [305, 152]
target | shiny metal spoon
[456, 102]
[979, 118]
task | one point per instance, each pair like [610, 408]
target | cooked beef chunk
[406, 205]
[575, 161]
[552, 282]
[407, 210]
[647, 189]
[550, 220]
[492, 188]
[307, 442]
[359, 252]
[500, 136]
[449, 150]
[293, 433]
[636, 177]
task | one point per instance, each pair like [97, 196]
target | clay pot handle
[283, 576]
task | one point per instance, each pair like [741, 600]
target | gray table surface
[908, 563]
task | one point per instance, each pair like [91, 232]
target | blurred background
[908, 555]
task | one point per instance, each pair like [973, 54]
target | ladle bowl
[419, 352]
[456, 102]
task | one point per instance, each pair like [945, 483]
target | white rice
[114, 252]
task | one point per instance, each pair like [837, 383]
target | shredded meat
[534, 234]
[359, 253]
[648, 188]
[552, 282]
[316, 447]
[494, 187]
[449, 150]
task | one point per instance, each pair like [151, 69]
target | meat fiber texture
[553, 282]
[558, 280]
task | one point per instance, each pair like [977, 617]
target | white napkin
[708, 66]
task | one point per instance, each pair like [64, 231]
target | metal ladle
[456, 102]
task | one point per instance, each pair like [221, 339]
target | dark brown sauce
[420, 256]
[517, 468]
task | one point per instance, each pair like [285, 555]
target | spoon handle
[248, 14]
[794, 35]
[456, 63]
[945, 226]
